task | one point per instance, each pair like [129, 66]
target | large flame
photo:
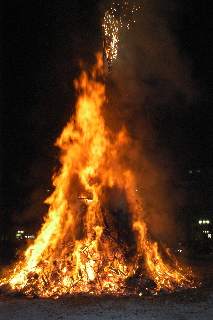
[93, 239]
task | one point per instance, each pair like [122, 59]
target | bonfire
[94, 239]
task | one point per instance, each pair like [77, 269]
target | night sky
[42, 44]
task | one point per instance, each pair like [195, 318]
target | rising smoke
[149, 77]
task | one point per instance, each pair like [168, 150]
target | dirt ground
[194, 304]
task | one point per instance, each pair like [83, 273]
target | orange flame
[90, 242]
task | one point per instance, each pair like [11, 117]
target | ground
[191, 304]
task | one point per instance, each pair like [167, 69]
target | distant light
[20, 231]
[204, 221]
[190, 171]
[19, 236]
[209, 235]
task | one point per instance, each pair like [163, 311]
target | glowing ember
[87, 244]
[116, 17]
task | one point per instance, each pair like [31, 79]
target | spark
[116, 17]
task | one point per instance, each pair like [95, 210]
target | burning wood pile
[94, 239]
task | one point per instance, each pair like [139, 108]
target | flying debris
[119, 15]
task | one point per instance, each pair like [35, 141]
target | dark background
[42, 42]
